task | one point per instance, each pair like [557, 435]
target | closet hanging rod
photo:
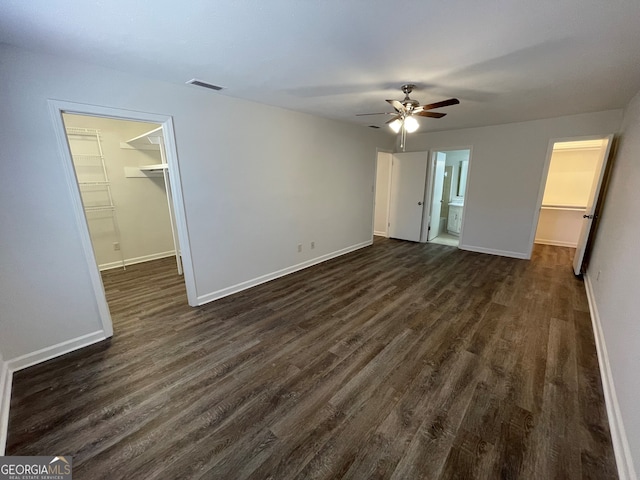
[563, 207]
[97, 209]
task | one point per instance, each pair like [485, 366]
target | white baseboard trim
[6, 377]
[380, 234]
[134, 260]
[491, 251]
[210, 297]
[626, 470]
[53, 351]
[8, 367]
[555, 243]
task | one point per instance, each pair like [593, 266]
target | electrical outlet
[313, 245]
[299, 247]
[116, 246]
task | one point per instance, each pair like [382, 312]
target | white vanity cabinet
[454, 221]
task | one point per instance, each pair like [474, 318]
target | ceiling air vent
[373, 126]
[200, 83]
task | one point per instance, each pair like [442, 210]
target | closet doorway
[571, 195]
[382, 194]
[124, 183]
[122, 177]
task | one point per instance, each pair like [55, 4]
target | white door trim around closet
[56, 109]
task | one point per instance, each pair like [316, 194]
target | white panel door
[436, 198]
[589, 214]
[408, 178]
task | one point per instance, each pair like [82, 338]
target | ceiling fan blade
[397, 104]
[397, 117]
[381, 113]
[444, 103]
[430, 114]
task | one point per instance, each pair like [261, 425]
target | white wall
[616, 257]
[383, 178]
[141, 202]
[257, 181]
[505, 175]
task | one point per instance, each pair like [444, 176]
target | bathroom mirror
[462, 178]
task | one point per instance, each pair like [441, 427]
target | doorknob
[419, 203]
[588, 216]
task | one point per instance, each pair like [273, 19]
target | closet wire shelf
[82, 131]
[93, 161]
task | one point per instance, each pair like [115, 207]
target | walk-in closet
[573, 169]
[122, 177]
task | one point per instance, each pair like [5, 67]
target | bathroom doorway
[448, 178]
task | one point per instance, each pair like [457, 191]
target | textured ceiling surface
[505, 61]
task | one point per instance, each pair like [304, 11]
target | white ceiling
[505, 60]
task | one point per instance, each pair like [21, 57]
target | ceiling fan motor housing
[408, 88]
[409, 107]
[408, 103]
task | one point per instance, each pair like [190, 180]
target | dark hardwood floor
[397, 361]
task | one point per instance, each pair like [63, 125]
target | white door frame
[375, 191]
[545, 174]
[431, 225]
[429, 190]
[56, 109]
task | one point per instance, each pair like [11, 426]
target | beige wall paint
[559, 227]
[570, 177]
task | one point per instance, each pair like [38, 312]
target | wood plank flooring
[398, 361]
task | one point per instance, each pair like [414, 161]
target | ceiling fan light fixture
[411, 124]
[403, 119]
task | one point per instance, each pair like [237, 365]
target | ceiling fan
[403, 118]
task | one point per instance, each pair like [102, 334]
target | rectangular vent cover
[200, 83]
